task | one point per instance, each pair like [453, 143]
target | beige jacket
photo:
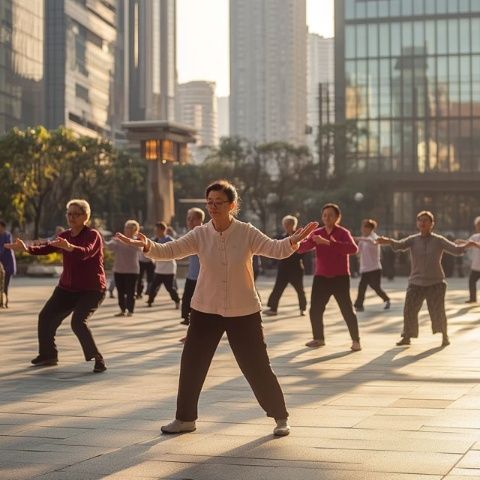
[225, 284]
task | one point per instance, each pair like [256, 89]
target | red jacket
[83, 266]
[332, 260]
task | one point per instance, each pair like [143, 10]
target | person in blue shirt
[7, 259]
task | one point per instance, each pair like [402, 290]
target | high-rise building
[21, 63]
[268, 56]
[80, 42]
[320, 86]
[407, 76]
[197, 107]
[223, 104]
[147, 59]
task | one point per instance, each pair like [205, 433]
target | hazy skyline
[203, 38]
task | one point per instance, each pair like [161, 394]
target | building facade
[80, 43]
[21, 64]
[268, 50]
[408, 80]
[197, 107]
[320, 87]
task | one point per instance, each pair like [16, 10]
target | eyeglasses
[216, 204]
[74, 214]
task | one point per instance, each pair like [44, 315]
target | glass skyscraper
[408, 78]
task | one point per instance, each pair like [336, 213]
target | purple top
[7, 257]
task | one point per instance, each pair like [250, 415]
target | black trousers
[245, 336]
[295, 278]
[472, 284]
[187, 297]
[435, 297]
[322, 289]
[370, 279]
[170, 284]
[126, 283]
[146, 269]
[58, 307]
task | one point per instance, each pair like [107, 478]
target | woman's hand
[17, 246]
[62, 243]
[303, 233]
[140, 242]
[319, 240]
[383, 241]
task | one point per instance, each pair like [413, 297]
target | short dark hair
[3, 224]
[227, 188]
[426, 213]
[369, 223]
[161, 225]
[334, 207]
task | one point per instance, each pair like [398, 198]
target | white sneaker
[356, 347]
[282, 429]
[177, 426]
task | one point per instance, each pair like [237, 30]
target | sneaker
[129, 314]
[403, 341]
[184, 322]
[282, 428]
[315, 343]
[445, 341]
[99, 365]
[149, 304]
[387, 305]
[270, 313]
[302, 313]
[356, 347]
[359, 309]
[177, 426]
[44, 362]
[471, 301]
[177, 305]
[120, 314]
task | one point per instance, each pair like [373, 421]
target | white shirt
[126, 257]
[475, 253]
[225, 284]
[167, 267]
[369, 253]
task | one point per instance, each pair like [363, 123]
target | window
[82, 92]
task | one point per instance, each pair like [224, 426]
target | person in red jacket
[333, 245]
[81, 288]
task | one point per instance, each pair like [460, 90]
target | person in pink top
[333, 245]
[81, 288]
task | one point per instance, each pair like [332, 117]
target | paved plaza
[387, 412]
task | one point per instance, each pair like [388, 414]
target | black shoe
[387, 305]
[185, 322]
[359, 309]
[302, 313]
[403, 341]
[99, 366]
[111, 295]
[471, 301]
[445, 341]
[270, 313]
[44, 362]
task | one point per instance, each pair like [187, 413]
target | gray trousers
[435, 297]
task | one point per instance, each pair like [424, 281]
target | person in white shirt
[370, 266]
[225, 300]
[475, 266]
[125, 268]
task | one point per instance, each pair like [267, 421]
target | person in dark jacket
[7, 259]
[81, 288]
[290, 271]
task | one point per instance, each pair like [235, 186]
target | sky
[203, 39]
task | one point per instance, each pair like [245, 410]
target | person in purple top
[81, 288]
[333, 245]
[7, 259]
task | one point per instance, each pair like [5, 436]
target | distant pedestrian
[7, 259]
[195, 218]
[225, 300]
[147, 271]
[370, 265]
[475, 266]
[333, 244]
[427, 279]
[165, 270]
[81, 288]
[290, 271]
[126, 268]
